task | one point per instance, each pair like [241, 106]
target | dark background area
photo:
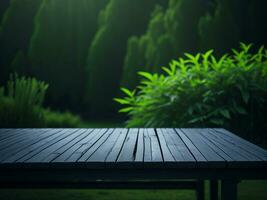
[85, 50]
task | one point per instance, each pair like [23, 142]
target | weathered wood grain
[129, 148]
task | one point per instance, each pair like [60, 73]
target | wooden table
[129, 158]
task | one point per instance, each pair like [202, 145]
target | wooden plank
[33, 146]
[13, 151]
[241, 143]
[215, 147]
[86, 144]
[48, 142]
[83, 143]
[48, 153]
[82, 133]
[17, 143]
[171, 146]
[178, 149]
[96, 146]
[167, 155]
[212, 157]
[139, 154]
[127, 154]
[130, 147]
[201, 160]
[233, 151]
[114, 154]
[6, 133]
[5, 130]
[179, 144]
[5, 141]
[147, 147]
[19, 136]
[98, 158]
[233, 136]
[152, 151]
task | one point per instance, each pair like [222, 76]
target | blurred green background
[202, 64]
[179, 63]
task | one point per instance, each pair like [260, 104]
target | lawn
[247, 190]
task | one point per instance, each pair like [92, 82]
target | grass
[247, 190]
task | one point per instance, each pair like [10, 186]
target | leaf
[245, 95]
[125, 110]
[146, 75]
[168, 71]
[193, 121]
[190, 110]
[208, 53]
[190, 56]
[217, 121]
[121, 101]
[241, 110]
[225, 113]
[245, 47]
[127, 92]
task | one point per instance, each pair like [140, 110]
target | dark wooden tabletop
[128, 148]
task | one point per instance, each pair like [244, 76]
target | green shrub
[201, 91]
[61, 120]
[21, 106]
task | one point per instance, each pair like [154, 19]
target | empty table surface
[128, 148]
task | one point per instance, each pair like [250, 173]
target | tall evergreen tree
[63, 33]
[3, 6]
[120, 20]
[223, 29]
[15, 32]
[170, 34]
[233, 22]
[256, 21]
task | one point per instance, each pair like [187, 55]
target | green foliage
[234, 21]
[215, 24]
[170, 32]
[60, 42]
[224, 20]
[61, 120]
[21, 106]
[26, 92]
[118, 21]
[202, 91]
[3, 7]
[86, 49]
[16, 30]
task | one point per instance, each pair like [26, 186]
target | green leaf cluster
[203, 91]
[21, 105]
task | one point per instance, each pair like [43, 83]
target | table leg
[200, 190]
[213, 189]
[229, 189]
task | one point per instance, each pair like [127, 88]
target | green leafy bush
[202, 91]
[21, 106]
[61, 120]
